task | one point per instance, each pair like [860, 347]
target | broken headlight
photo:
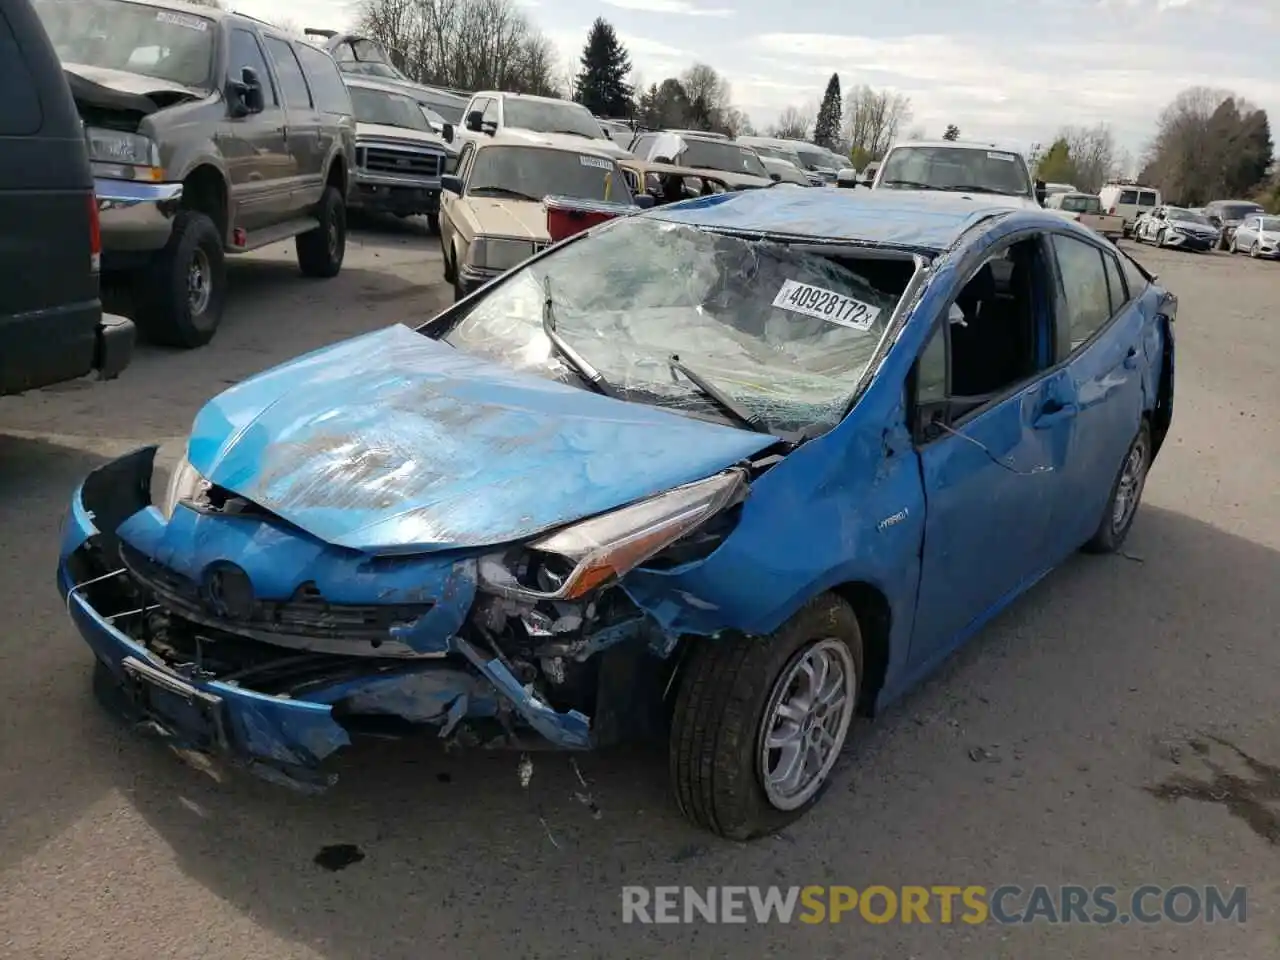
[185, 484]
[573, 561]
[122, 155]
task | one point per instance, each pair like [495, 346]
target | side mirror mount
[644, 201]
[775, 176]
[474, 121]
[666, 160]
[1042, 192]
[847, 179]
[451, 183]
[447, 132]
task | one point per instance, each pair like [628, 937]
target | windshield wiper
[502, 192]
[592, 377]
[721, 399]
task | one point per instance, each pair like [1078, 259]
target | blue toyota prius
[730, 471]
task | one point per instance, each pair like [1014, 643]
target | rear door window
[1115, 283]
[20, 111]
[1084, 284]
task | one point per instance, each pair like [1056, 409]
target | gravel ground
[1037, 755]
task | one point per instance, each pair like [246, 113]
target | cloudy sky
[999, 69]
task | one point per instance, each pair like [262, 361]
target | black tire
[167, 311]
[725, 689]
[450, 271]
[320, 251]
[1112, 531]
[433, 223]
[458, 292]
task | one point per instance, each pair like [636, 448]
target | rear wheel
[1126, 494]
[180, 295]
[759, 722]
[321, 251]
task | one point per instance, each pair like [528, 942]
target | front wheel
[180, 295]
[321, 251]
[1126, 494]
[759, 722]
[1253, 250]
[433, 223]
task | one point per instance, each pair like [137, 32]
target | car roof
[957, 144]
[926, 222]
[200, 10]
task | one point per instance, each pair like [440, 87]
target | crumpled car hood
[134, 90]
[519, 219]
[395, 443]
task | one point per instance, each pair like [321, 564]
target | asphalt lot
[1037, 755]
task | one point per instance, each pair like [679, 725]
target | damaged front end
[237, 635]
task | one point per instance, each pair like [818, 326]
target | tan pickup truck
[1087, 209]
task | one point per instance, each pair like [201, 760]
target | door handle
[1053, 413]
[1131, 358]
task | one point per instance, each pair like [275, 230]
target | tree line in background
[1209, 143]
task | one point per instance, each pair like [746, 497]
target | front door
[253, 147]
[994, 422]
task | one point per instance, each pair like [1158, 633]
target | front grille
[305, 614]
[401, 161]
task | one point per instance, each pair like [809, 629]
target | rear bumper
[52, 346]
[286, 735]
[135, 217]
[472, 278]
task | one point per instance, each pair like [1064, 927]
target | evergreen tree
[601, 85]
[953, 132]
[1056, 166]
[826, 129]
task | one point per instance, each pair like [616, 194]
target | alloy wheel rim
[806, 723]
[1129, 489]
[199, 283]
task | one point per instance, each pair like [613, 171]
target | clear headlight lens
[128, 156]
[493, 254]
[185, 483]
[572, 562]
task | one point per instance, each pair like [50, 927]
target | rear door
[1099, 326]
[303, 124]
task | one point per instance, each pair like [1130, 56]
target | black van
[52, 327]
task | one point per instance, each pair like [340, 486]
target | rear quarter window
[1128, 196]
[1146, 199]
[20, 111]
[327, 88]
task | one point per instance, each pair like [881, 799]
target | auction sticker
[183, 20]
[992, 155]
[599, 162]
[826, 305]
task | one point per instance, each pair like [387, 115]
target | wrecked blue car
[729, 471]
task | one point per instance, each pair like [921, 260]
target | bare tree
[709, 97]
[1208, 144]
[872, 119]
[793, 124]
[469, 44]
[1093, 155]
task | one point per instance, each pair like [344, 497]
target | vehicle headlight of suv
[490, 253]
[581, 558]
[186, 485]
[122, 155]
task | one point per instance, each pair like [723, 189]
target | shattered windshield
[955, 168]
[113, 34]
[785, 333]
[1187, 216]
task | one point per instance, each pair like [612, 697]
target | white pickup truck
[1001, 176]
[1087, 209]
